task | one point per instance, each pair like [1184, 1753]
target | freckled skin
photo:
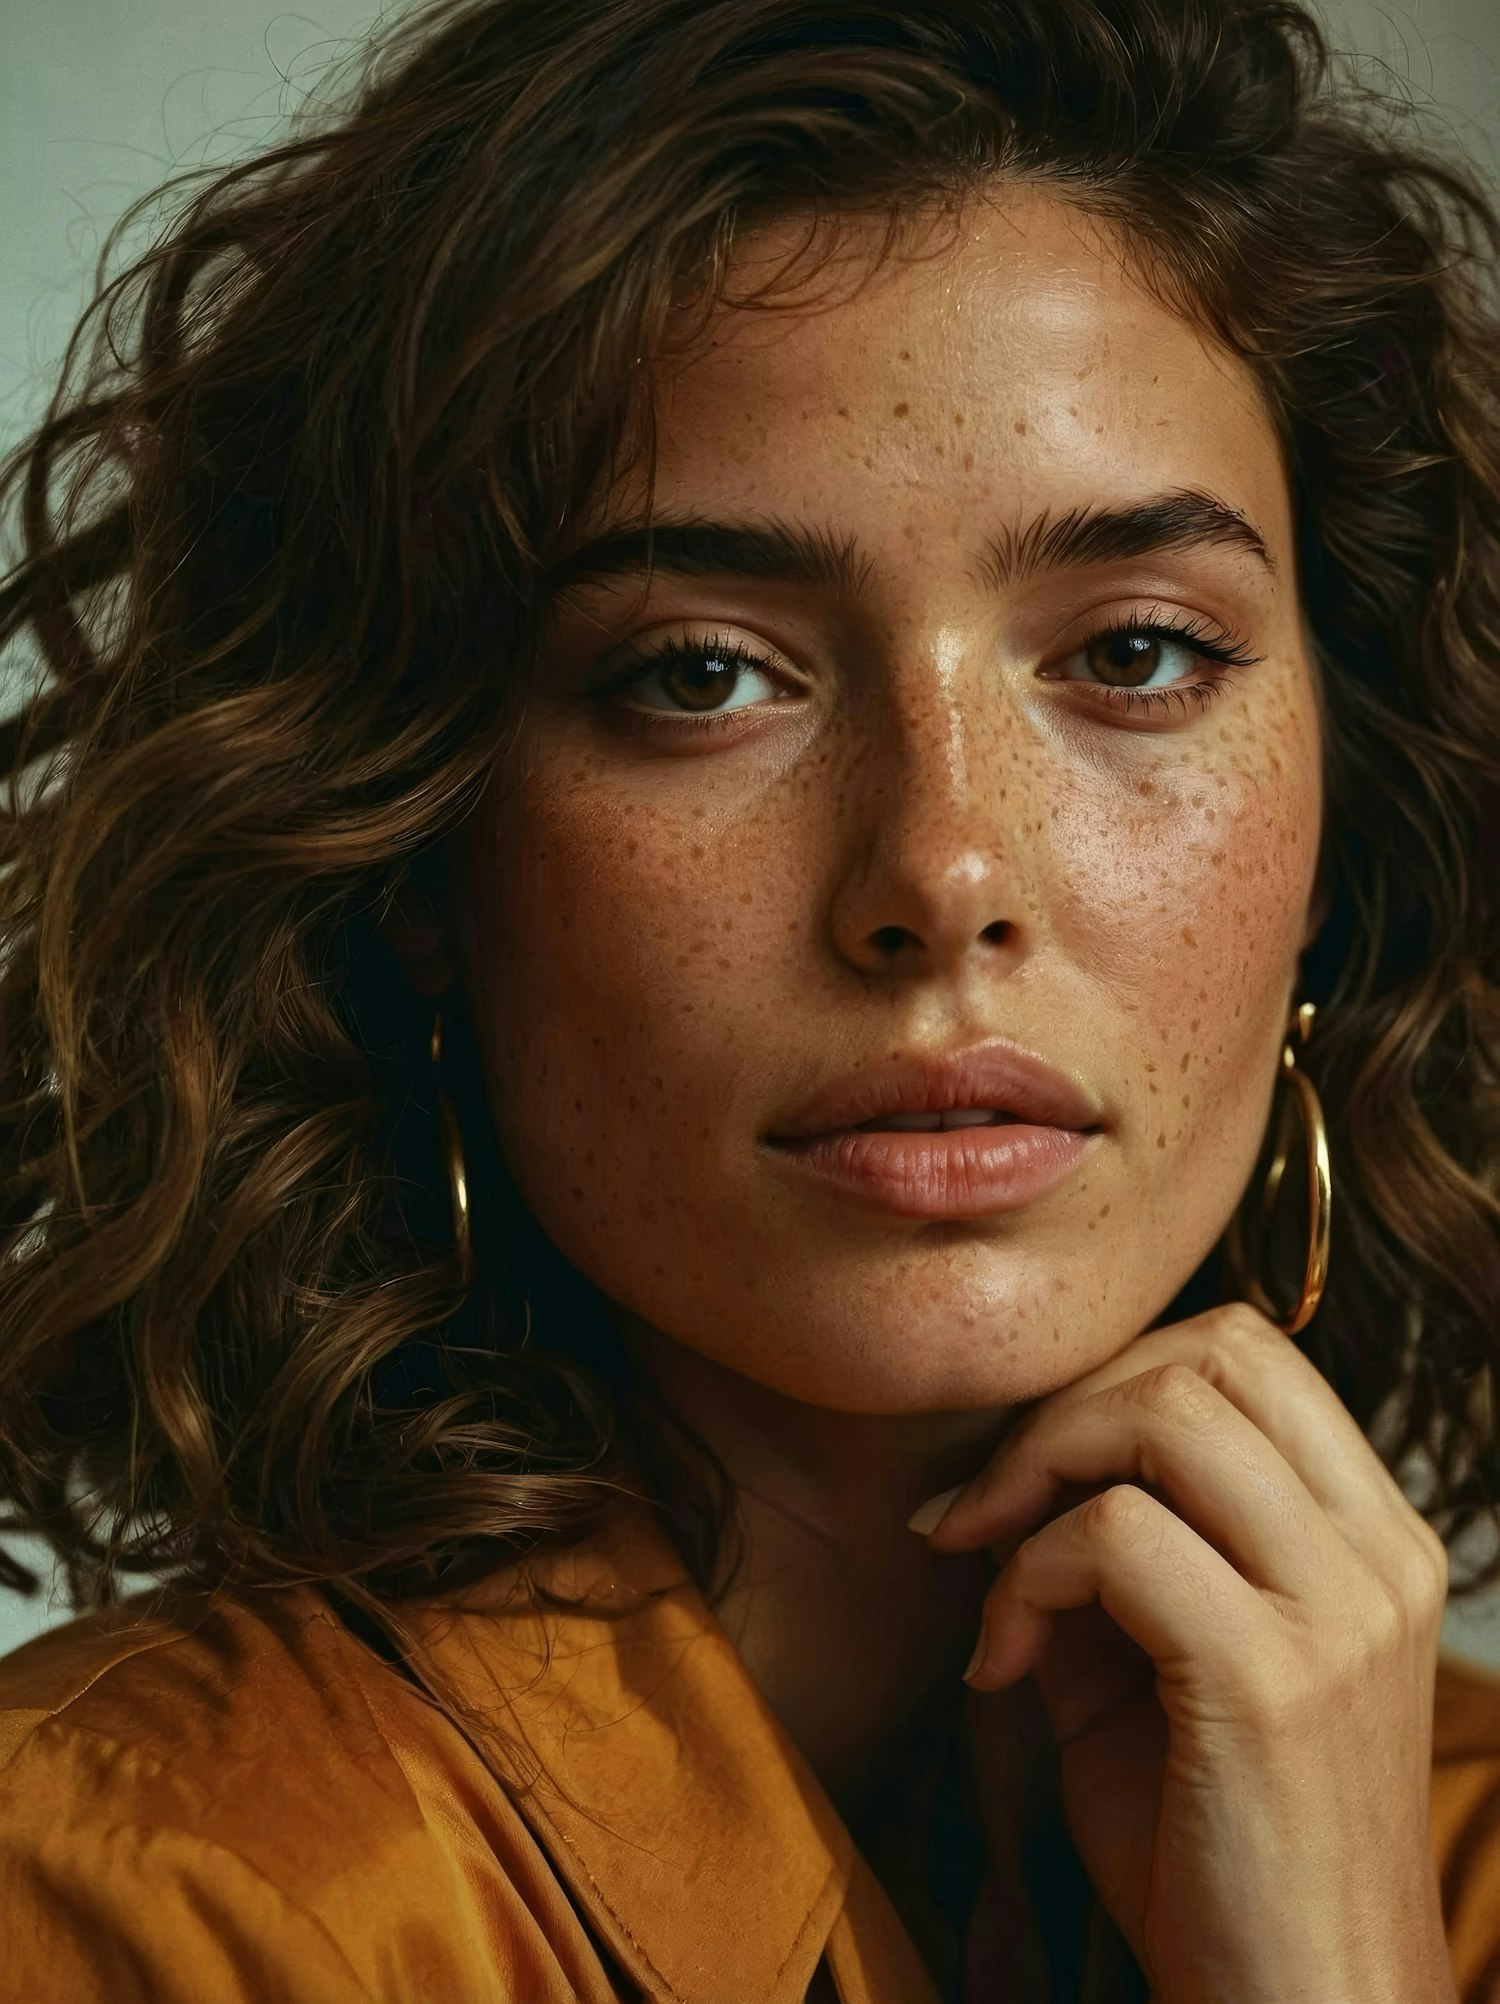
[918, 841]
[1053, 876]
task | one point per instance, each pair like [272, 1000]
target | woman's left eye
[1147, 662]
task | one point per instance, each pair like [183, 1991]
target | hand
[1235, 1637]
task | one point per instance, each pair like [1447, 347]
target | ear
[422, 940]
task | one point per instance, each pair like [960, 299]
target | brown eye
[1124, 660]
[699, 678]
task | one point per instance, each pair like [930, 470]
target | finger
[1173, 1430]
[1263, 1374]
[1155, 1578]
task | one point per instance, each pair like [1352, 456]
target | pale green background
[102, 99]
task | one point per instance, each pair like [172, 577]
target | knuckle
[1117, 1514]
[1426, 1577]
[1175, 1388]
[1420, 1566]
[1387, 1621]
[1436, 1554]
[1241, 1325]
[1286, 1697]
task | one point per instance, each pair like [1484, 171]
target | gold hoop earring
[1306, 1105]
[453, 1162]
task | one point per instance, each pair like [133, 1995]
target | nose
[936, 880]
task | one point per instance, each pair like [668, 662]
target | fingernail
[927, 1516]
[974, 1660]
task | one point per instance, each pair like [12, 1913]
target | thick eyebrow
[769, 547]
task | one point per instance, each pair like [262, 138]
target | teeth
[931, 1123]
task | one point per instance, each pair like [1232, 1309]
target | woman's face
[939, 814]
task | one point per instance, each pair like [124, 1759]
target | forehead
[1017, 350]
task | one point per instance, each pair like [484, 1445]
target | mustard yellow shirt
[243, 1801]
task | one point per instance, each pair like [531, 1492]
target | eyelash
[1226, 652]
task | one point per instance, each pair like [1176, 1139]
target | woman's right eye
[699, 675]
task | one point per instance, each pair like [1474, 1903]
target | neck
[850, 1627]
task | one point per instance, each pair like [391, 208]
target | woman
[704, 601]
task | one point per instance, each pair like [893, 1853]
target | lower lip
[956, 1172]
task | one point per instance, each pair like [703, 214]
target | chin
[960, 1343]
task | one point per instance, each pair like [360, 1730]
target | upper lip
[994, 1074]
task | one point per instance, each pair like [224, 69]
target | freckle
[1210, 814]
[939, 449]
[1161, 1141]
[1104, 1213]
[1145, 786]
[958, 417]
[843, 410]
[577, 1194]
[1188, 937]
[1187, 1100]
[1151, 1085]
[968, 462]
[868, 460]
[1187, 1059]
[1021, 426]
[1150, 1068]
[906, 354]
[900, 410]
[682, 960]
[588, 1160]
[632, 1104]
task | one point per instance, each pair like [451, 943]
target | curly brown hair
[329, 436]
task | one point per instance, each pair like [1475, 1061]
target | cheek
[1186, 906]
[617, 943]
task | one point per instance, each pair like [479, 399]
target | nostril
[890, 938]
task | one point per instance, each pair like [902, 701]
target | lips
[1015, 1083]
[1044, 1126]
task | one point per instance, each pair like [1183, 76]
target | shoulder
[188, 1714]
[1466, 1820]
[238, 1799]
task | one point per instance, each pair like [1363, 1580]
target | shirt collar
[687, 1825]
